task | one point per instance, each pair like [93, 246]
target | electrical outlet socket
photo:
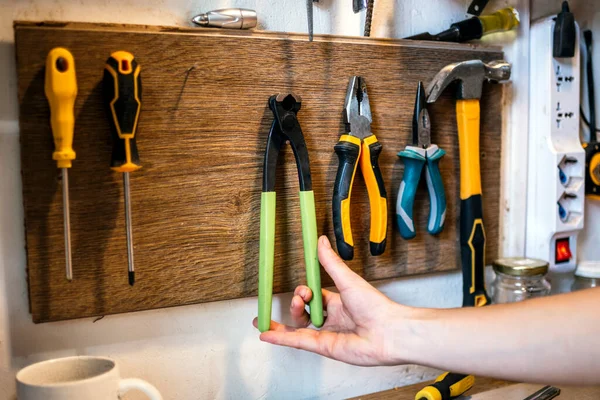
[556, 160]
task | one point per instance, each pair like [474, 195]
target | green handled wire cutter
[286, 127]
[421, 155]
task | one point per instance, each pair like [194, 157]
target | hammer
[469, 76]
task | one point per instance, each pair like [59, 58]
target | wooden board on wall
[202, 134]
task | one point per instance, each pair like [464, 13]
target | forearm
[536, 341]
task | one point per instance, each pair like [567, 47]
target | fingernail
[325, 242]
[303, 293]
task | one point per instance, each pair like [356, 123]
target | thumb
[342, 276]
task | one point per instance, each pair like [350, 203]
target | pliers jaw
[357, 111]
[285, 127]
[282, 103]
[421, 126]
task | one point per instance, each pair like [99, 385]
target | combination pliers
[416, 156]
[286, 127]
[359, 145]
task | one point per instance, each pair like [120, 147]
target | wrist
[408, 335]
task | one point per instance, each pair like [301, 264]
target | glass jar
[587, 275]
[518, 279]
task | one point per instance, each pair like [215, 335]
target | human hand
[360, 327]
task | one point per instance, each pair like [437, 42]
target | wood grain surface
[201, 137]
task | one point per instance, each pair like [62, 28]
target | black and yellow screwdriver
[475, 27]
[60, 86]
[446, 387]
[122, 87]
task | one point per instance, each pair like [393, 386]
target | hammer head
[470, 76]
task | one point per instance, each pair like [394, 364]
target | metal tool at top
[476, 7]
[358, 146]
[421, 155]
[357, 6]
[60, 87]
[229, 18]
[309, 15]
[122, 87]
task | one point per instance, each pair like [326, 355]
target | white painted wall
[211, 350]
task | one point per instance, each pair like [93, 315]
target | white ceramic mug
[77, 378]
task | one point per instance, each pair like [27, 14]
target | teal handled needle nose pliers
[285, 128]
[416, 156]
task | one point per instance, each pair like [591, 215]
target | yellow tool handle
[447, 386]
[502, 20]
[467, 117]
[60, 86]
[122, 87]
[369, 165]
[349, 151]
[472, 231]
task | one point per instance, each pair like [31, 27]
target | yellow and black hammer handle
[472, 231]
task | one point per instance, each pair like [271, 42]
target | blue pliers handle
[415, 158]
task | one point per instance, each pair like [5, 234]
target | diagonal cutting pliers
[421, 155]
[286, 127]
[358, 146]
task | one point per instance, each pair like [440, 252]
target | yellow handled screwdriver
[122, 88]
[60, 86]
[446, 387]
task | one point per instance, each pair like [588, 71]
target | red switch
[563, 252]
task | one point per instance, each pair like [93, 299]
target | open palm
[355, 330]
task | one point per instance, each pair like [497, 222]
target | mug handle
[128, 384]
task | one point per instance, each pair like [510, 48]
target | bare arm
[549, 340]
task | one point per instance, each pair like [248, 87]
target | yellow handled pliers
[358, 146]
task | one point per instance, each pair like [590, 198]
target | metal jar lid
[520, 266]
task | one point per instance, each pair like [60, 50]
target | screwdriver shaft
[128, 228]
[67, 222]
[309, 15]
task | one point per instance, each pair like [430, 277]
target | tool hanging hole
[558, 123]
[558, 106]
[62, 65]
[125, 65]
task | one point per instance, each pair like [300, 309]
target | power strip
[556, 162]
